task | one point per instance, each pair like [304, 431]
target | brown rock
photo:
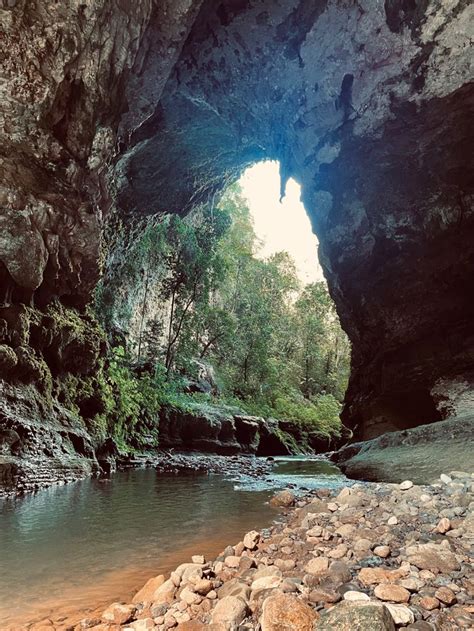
[118, 613]
[338, 552]
[232, 561]
[317, 565]
[338, 573]
[251, 539]
[231, 610]
[445, 595]
[145, 624]
[165, 593]
[234, 587]
[443, 525]
[283, 499]
[376, 575]
[324, 595]
[283, 612]
[147, 592]
[393, 593]
[202, 586]
[429, 603]
[382, 551]
[436, 558]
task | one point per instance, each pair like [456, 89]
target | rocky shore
[370, 557]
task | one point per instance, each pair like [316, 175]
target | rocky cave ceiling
[131, 109]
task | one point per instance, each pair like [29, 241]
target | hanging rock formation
[113, 112]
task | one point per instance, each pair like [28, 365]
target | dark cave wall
[118, 111]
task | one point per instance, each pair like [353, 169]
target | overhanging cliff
[115, 111]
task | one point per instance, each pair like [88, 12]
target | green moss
[33, 369]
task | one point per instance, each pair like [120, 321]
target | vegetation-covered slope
[229, 328]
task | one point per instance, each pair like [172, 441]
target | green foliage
[277, 348]
[137, 399]
[320, 414]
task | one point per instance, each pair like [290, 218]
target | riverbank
[164, 461]
[397, 555]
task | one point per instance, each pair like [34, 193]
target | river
[68, 550]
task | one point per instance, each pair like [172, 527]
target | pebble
[382, 551]
[393, 593]
[401, 614]
[353, 595]
[443, 525]
[420, 570]
[445, 595]
[429, 603]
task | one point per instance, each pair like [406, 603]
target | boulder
[165, 593]
[433, 557]
[356, 616]
[318, 565]
[147, 592]
[284, 612]
[230, 610]
[283, 499]
[251, 539]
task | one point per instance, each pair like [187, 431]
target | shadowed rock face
[359, 104]
[117, 111]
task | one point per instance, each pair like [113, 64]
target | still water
[71, 549]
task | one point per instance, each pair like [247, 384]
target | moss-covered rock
[71, 341]
[8, 359]
[33, 369]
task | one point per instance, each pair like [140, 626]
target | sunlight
[281, 226]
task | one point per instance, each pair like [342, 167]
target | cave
[118, 115]
[116, 112]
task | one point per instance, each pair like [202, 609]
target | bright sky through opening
[281, 226]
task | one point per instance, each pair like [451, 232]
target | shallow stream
[66, 551]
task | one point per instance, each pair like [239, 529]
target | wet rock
[284, 611]
[283, 499]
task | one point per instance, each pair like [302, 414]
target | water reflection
[99, 540]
